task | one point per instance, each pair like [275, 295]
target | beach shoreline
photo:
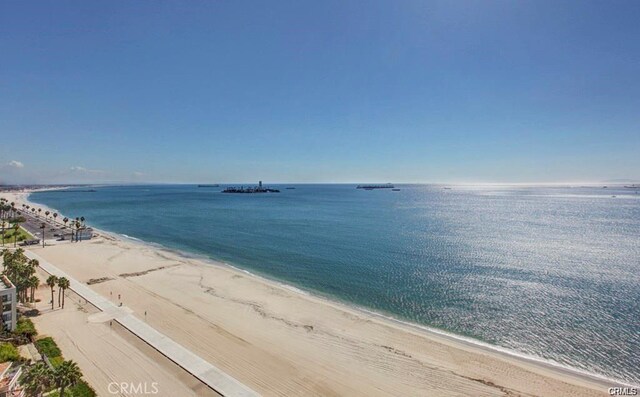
[335, 302]
[548, 370]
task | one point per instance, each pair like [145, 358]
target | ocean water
[552, 272]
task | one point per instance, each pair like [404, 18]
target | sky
[319, 91]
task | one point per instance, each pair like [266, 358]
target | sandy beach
[276, 340]
[106, 352]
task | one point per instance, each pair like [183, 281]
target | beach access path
[190, 362]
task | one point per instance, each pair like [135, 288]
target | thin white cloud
[84, 170]
[138, 173]
[15, 164]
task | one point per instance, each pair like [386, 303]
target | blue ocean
[552, 272]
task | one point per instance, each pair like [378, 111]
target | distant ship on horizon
[374, 186]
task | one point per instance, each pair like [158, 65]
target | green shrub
[8, 352]
[56, 361]
[25, 327]
[48, 347]
[82, 389]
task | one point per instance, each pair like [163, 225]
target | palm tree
[78, 226]
[29, 279]
[37, 379]
[3, 212]
[51, 282]
[16, 227]
[63, 284]
[34, 283]
[39, 211]
[55, 215]
[19, 269]
[67, 374]
[2, 221]
[65, 220]
[46, 215]
[43, 226]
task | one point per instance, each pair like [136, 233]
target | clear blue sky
[319, 91]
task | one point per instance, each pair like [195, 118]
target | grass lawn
[22, 235]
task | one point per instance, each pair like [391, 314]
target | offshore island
[253, 189]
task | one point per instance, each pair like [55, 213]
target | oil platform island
[254, 189]
[372, 187]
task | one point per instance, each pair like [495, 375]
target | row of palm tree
[5, 213]
[63, 283]
[15, 227]
[10, 214]
[78, 224]
[8, 209]
[21, 271]
[37, 211]
[39, 378]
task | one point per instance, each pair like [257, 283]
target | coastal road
[190, 362]
[32, 225]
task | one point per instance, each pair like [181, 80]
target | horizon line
[459, 183]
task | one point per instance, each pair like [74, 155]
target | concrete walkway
[195, 365]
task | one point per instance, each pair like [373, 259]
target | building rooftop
[5, 284]
[4, 367]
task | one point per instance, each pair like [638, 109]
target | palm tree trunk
[63, 298]
[51, 298]
[59, 291]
